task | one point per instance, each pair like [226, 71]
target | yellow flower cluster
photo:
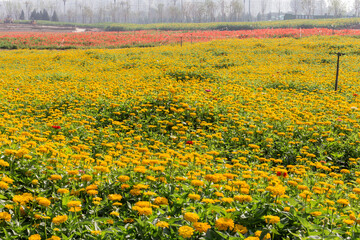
[224, 224]
[186, 231]
[5, 216]
[191, 217]
[59, 219]
[272, 219]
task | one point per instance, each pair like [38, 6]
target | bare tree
[149, 9]
[122, 5]
[89, 14]
[28, 6]
[114, 8]
[127, 11]
[50, 6]
[295, 6]
[336, 7]
[236, 9]
[76, 11]
[16, 9]
[210, 10]
[320, 7]
[357, 7]
[173, 12]
[40, 4]
[279, 8]
[70, 15]
[160, 11]
[187, 11]
[199, 11]
[101, 14]
[64, 5]
[222, 4]
[308, 6]
[9, 9]
[263, 6]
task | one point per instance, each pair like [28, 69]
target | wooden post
[337, 70]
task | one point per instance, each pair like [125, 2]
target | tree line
[158, 11]
[336, 8]
[40, 15]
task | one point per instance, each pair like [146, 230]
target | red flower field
[148, 38]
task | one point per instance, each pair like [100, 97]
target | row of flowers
[149, 38]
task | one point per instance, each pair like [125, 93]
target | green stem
[76, 219]
[353, 231]
[323, 229]
[331, 221]
[45, 230]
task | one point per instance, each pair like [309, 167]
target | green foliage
[339, 23]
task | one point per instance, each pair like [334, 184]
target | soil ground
[41, 28]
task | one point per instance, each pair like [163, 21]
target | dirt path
[42, 28]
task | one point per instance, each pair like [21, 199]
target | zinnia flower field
[228, 139]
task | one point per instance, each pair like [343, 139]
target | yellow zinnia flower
[186, 231]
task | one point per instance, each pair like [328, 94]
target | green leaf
[235, 238]
[212, 234]
[64, 237]
[313, 237]
[275, 231]
[308, 225]
[84, 222]
[6, 234]
[315, 233]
